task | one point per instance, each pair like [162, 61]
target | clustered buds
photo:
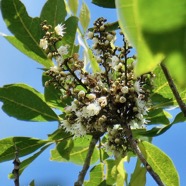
[104, 102]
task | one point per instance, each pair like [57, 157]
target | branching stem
[138, 152]
[181, 104]
[86, 165]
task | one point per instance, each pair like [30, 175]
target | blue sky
[17, 68]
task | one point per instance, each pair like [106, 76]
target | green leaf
[93, 62]
[24, 145]
[138, 177]
[74, 151]
[27, 30]
[156, 36]
[162, 95]
[104, 3]
[73, 5]
[115, 172]
[20, 46]
[157, 116]
[32, 183]
[59, 134]
[25, 103]
[160, 163]
[24, 164]
[71, 25]
[84, 16]
[96, 175]
[54, 11]
[53, 95]
[179, 118]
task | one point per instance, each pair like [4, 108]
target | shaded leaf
[32, 183]
[53, 95]
[138, 177]
[54, 11]
[84, 16]
[160, 163]
[27, 30]
[25, 50]
[25, 103]
[96, 175]
[24, 164]
[157, 116]
[179, 118]
[74, 151]
[25, 146]
[59, 134]
[73, 5]
[104, 3]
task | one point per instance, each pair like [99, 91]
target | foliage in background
[154, 41]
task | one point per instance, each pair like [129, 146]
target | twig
[181, 104]
[15, 171]
[86, 165]
[138, 152]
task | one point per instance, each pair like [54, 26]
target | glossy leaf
[25, 163]
[84, 16]
[27, 30]
[160, 163]
[138, 177]
[74, 151]
[54, 11]
[121, 171]
[25, 103]
[104, 3]
[156, 30]
[24, 145]
[96, 175]
[73, 5]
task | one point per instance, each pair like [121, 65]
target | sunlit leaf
[93, 62]
[84, 16]
[156, 30]
[25, 163]
[59, 134]
[25, 103]
[104, 3]
[73, 4]
[27, 30]
[54, 11]
[160, 163]
[24, 146]
[138, 177]
[74, 151]
[96, 175]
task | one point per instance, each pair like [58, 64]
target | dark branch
[174, 89]
[86, 165]
[138, 152]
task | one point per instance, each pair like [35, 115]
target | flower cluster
[104, 102]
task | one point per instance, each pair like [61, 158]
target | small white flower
[91, 110]
[137, 87]
[81, 94]
[102, 101]
[59, 60]
[43, 44]
[63, 50]
[55, 68]
[59, 29]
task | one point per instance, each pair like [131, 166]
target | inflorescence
[104, 102]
